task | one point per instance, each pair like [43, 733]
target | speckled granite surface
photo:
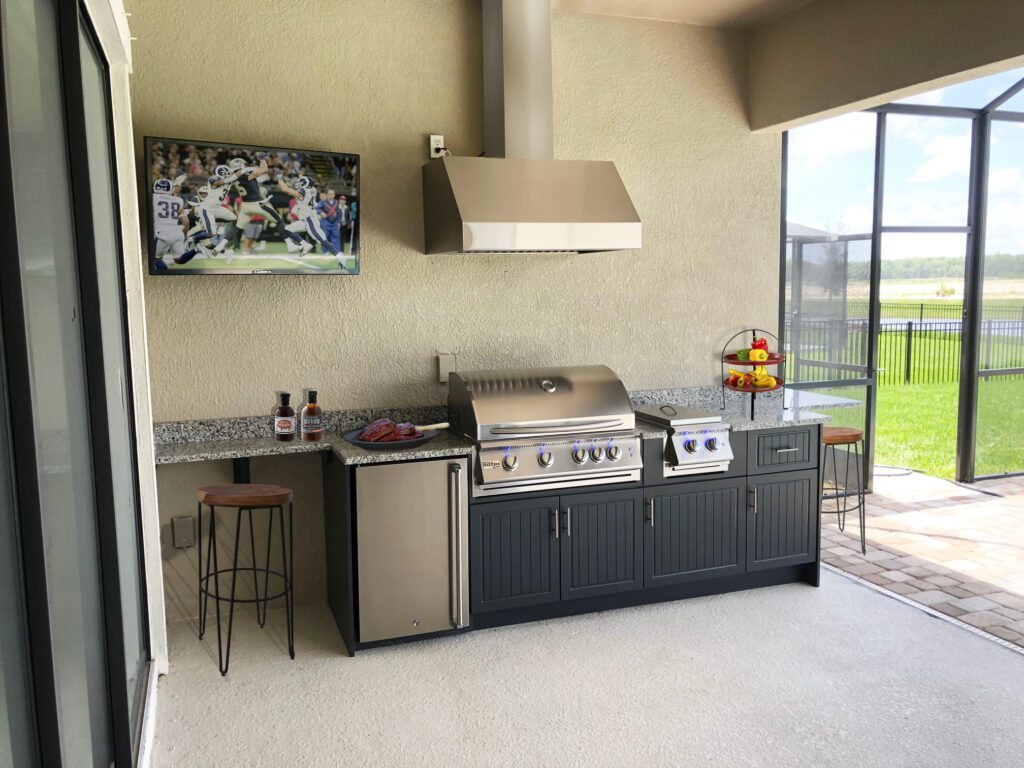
[188, 441]
[445, 444]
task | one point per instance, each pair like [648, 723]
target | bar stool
[852, 438]
[247, 498]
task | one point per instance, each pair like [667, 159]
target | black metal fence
[917, 344]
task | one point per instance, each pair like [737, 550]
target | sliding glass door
[75, 511]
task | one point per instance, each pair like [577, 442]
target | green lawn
[916, 426]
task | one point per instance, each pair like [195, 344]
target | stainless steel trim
[568, 521]
[650, 505]
[455, 470]
[581, 481]
[529, 430]
[786, 450]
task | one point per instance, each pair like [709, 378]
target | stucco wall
[833, 56]
[665, 101]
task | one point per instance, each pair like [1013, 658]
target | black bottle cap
[312, 395]
[284, 397]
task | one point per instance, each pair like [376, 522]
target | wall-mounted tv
[235, 209]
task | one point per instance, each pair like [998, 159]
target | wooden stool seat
[842, 435]
[244, 495]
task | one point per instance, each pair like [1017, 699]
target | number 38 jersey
[166, 212]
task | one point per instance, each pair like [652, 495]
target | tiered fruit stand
[732, 359]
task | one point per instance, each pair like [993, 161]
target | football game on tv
[233, 209]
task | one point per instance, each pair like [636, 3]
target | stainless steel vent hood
[517, 198]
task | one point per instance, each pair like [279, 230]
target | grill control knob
[711, 443]
[615, 453]
[579, 455]
[510, 462]
[545, 459]
[690, 446]
[597, 454]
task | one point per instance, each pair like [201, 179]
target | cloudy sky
[831, 168]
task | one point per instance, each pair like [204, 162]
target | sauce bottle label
[284, 425]
[312, 423]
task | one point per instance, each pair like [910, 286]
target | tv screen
[234, 209]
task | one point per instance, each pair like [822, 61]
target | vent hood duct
[517, 198]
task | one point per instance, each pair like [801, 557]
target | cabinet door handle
[753, 502]
[555, 513]
[786, 450]
[455, 513]
[650, 511]
[568, 521]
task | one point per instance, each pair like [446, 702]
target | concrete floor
[790, 675]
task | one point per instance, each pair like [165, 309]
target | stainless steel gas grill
[545, 428]
[697, 443]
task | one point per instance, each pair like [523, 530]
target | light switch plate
[183, 532]
[446, 362]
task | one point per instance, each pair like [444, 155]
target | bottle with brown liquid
[284, 418]
[312, 419]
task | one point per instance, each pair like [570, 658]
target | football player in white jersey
[210, 208]
[306, 217]
[169, 223]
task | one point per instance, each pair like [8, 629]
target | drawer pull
[786, 450]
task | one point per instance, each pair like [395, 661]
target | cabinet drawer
[780, 450]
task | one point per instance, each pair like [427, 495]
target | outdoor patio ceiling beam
[929, 110]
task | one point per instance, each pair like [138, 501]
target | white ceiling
[710, 13]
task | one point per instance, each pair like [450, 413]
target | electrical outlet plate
[436, 145]
[445, 365]
[183, 532]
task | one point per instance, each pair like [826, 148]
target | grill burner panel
[697, 443]
[546, 428]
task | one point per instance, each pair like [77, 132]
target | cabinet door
[782, 521]
[602, 543]
[513, 554]
[694, 531]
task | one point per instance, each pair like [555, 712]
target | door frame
[124, 736]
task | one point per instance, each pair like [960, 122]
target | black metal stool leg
[199, 568]
[216, 582]
[861, 500]
[266, 568]
[286, 563]
[255, 573]
[231, 601]
[210, 567]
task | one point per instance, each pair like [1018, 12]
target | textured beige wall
[665, 101]
[833, 56]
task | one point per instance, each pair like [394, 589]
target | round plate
[774, 358]
[778, 384]
[429, 435]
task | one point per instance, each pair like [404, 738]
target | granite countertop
[445, 444]
[209, 440]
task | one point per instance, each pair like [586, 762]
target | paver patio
[958, 550]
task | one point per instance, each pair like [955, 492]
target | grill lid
[538, 402]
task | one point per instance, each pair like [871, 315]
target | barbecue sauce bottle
[312, 419]
[284, 418]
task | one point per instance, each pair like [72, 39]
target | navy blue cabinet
[783, 523]
[694, 531]
[602, 543]
[513, 556]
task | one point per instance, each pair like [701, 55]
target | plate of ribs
[385, 434]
